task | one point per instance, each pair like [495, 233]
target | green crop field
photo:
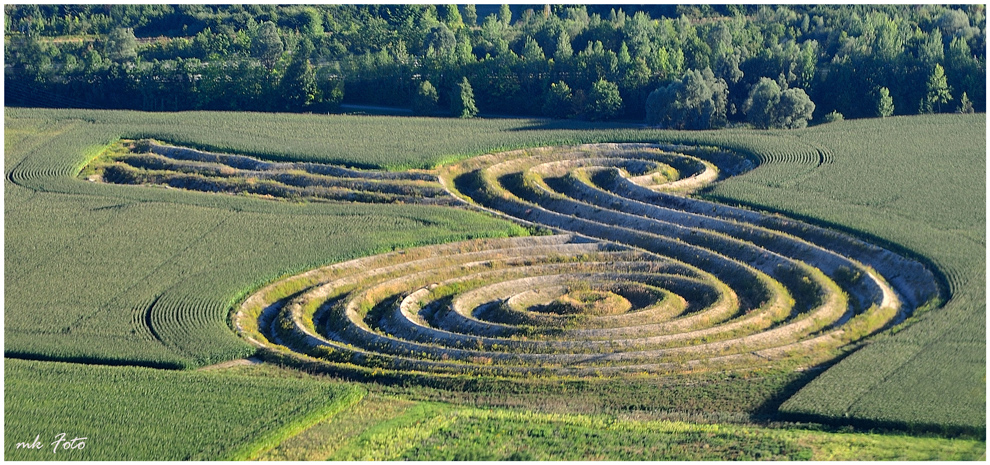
[472, 434]
[902, 181]
[134, 413]
[153, 272]
[163, 278]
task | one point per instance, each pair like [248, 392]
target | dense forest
[670, 66]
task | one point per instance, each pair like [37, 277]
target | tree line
[672, 66]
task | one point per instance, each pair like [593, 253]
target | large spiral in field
[642, 279]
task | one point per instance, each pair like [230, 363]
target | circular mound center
[588, 302]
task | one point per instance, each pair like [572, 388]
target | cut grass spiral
[147, 162]
[641, 279]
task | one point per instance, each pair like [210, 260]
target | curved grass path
[640, 279]
[148, 162]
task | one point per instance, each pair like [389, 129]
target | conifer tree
[462, 102]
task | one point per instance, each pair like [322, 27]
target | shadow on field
[770, 409]
[567, 124]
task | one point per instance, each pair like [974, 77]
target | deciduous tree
[938, 93]
[965, 105]
[558, 100]
[604, 101]
[298, 85]
[885, 104]
[441, 39]
[425, 101]
[121, 46]
[470, 15]
[696, 101]
[769, 107]
[505, 15]
[266, 45]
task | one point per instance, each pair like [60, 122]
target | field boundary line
[253, 450]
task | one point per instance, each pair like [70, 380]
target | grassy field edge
[254, 449]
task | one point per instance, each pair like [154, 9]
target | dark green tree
[266, 45]
[696, 101]
[531, 51]
[450, 15]
[966, 71]
[761, 103]
[623, 55]
[932, 51]
[604, 101]
[505, 15]
[121, 46]
[331, 94]
[441, 39]
[425, 100]
[298, 86]
[558, 100]
[462, 101]
[965, 106]
[953, 21]
[564, 51]
[834, 117]
[464, 52]
[470, 15]
[727, 68]
[310, 22]
[769, 107]
[795, 109]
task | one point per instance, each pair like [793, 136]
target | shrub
[833, 117]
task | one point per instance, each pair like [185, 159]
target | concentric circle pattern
[641, 278]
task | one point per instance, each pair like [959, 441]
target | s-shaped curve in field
[643, 279]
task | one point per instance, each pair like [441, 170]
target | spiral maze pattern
[641, 278]
[151, 163]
